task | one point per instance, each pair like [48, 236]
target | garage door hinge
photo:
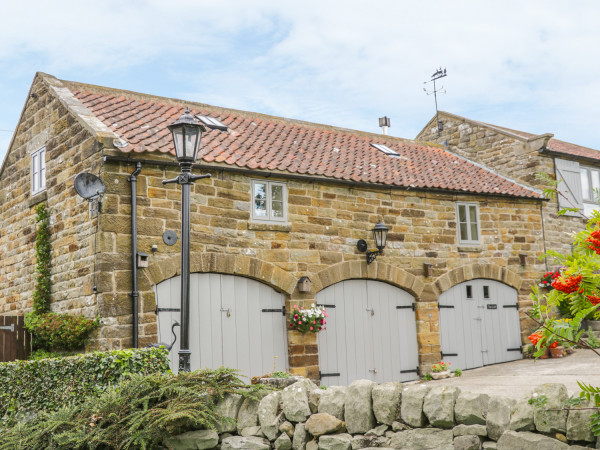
[325, 306]
[410, 371]
[281, 310]
[448, 354]
[411, 306]
[445, 306]
[516, 349]
[516, 305]
[167, 310]
[323, 375]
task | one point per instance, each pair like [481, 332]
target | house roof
[262, 142]
[553, 145]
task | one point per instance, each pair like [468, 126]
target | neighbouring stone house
[287, 199]
[521, 156]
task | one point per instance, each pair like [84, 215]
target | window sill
[470, 248]
[269, 226]
[38, 198]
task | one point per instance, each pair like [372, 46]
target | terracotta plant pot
[546, 354]
[440, 375]
[557, 352]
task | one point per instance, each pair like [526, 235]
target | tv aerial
[440, 73]
[90, 188]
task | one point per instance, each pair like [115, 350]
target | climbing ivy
[43, 250]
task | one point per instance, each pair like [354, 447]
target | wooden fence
[15, 340]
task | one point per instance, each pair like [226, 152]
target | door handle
[373, 370]
[226, 310]
[372, 311]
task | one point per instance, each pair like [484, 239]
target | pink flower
[321, 321]
[311, 328]
[299, 321]
[319, 328]
[296, 316]
[314, 321]
[295, 306]
[291, 324]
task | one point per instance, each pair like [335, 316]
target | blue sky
[531, 66]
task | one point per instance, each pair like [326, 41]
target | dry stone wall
[511, 156]
[395, 416]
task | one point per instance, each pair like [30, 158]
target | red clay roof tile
[257, 141]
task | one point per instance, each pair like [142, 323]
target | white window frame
[589, 204]
[269, 201]
[468, 241]
[38, 171]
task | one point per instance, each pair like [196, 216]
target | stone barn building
[286, 200]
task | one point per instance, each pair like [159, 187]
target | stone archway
[379, 271]
[473, 271]
[241, 265]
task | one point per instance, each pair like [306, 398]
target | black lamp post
[187, 133]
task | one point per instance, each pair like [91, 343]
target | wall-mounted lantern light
[380, 233]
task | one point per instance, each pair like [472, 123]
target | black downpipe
[134, 278]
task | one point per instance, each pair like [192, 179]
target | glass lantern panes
[260, 200]
[468, 223]
[269, 201]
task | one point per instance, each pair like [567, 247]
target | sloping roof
[553, 145]
[261, 142]
[558, 146]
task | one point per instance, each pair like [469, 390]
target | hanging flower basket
[308, 320]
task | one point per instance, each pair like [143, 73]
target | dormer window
[38, 171]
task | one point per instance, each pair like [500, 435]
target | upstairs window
[38, 171]
[468, 223]
[269, 201]
[590, 189]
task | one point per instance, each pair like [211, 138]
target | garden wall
[392, 415]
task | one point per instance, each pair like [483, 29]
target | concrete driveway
[518, 378]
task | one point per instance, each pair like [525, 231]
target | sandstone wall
[70, 149]
[517, 159]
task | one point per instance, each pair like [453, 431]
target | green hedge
[47, 384]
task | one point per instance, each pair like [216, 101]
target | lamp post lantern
[187, 133]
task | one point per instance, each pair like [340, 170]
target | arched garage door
[371, 333]
[234, 322]
[479, 324]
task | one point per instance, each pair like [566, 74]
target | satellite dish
[89, 186]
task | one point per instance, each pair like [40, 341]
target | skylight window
[211, 123]
[385, 149]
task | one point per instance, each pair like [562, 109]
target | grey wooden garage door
[371, 333]
[479, 324]
[234, 322]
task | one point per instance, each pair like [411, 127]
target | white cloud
[526, 65]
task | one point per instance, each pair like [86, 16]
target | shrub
[138, 413]
[47, 384]
[52, 331]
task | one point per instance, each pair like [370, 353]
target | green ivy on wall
[52, 331]
[43, 250]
